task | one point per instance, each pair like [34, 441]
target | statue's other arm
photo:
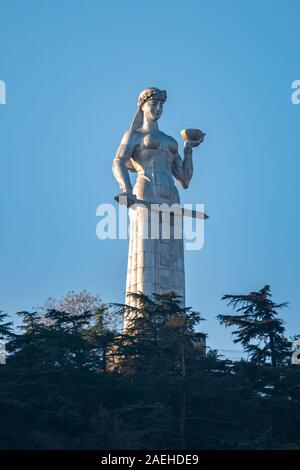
[124, 153]
[183, 170]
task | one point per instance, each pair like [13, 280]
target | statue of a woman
[154, 265]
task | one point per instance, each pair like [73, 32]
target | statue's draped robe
[154, 265]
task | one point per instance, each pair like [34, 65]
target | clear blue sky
[73, 71]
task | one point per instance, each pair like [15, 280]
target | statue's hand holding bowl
[192, 143]
[192, 137]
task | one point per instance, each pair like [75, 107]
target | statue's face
[153, 109]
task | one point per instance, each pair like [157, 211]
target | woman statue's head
[152, 110]
[151, 102]
[150, 105]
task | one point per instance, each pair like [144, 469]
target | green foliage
[259, 329]
[5, 327]
[160, 335]
[74, 381]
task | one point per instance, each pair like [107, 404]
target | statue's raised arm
[183, 170]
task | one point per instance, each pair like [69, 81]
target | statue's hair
[151, 93]
[148, 94]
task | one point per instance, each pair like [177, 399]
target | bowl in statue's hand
[193, 135]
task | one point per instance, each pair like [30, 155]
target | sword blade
[155, 206]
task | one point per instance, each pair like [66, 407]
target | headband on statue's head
[151, 94]
[147, 95]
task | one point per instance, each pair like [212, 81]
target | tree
[259, 329]
[57, 393]
[159, 333]
[5, 327]
[98, 323]
[52, 385]
[80, 304]
[160, 340]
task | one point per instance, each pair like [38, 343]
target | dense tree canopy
[73, 380]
